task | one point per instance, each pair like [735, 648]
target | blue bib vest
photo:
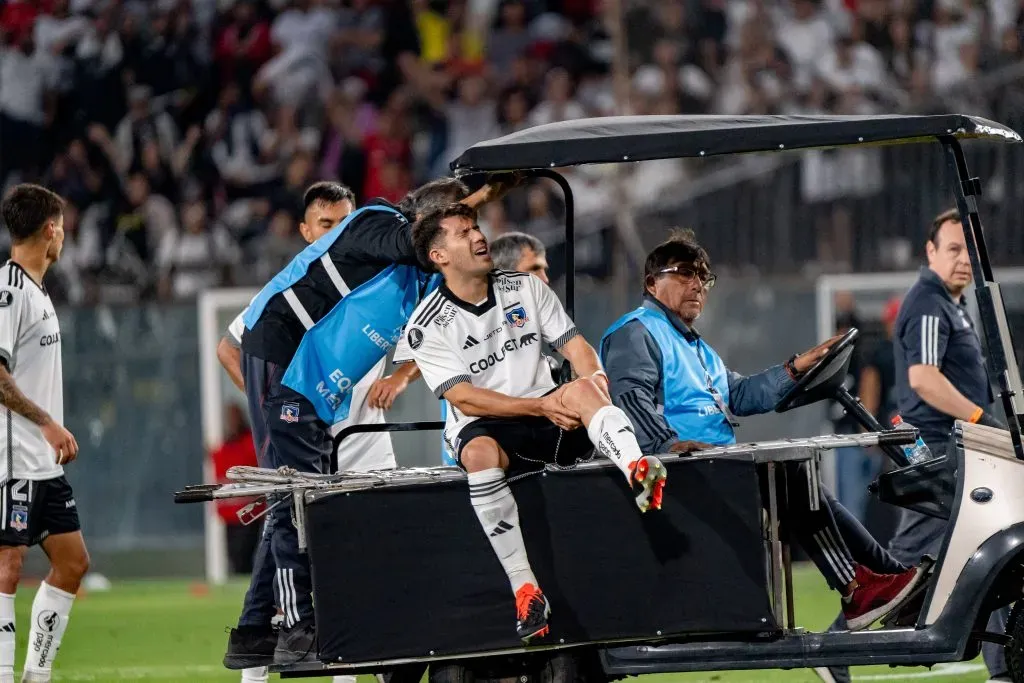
[690, 406]
[355, 335]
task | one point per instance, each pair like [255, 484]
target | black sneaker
[297, 645]
[250, 646]
[532, 611]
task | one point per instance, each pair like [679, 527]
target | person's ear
[649, 285]
[306, 232]
[438, 256]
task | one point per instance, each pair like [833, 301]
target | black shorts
[32, 510]
[529, 442]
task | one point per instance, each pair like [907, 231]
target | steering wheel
[824, 377]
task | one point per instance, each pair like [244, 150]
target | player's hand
[61, 440]
[688, 446]
[384, 391]
[553, 409]
[498, 185]
[806, 360]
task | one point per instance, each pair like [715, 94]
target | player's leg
[51, 608]
[867, 595]
[11, 559]
[612, 433]
[299, 440]
[56, 523]
[485, 463]
[251, 644]
[863, 546]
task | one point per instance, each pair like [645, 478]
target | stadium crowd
[184, 132]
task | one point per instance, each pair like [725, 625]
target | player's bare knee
[11, 561]
[75, 566]
[480, 454]
[584, 396]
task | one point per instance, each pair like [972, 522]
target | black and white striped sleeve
[924, 338]
[633, 363]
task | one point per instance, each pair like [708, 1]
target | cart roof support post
[570, 235]
[1002, 360]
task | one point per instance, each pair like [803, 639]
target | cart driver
[478, 342]
[674, 387]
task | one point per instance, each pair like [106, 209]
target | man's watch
[791, 367]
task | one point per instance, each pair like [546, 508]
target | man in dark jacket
[681, 397]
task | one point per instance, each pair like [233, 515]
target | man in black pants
[287, 429]
[940, 377]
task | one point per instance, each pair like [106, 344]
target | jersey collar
[691, 335]
[28, 277]
[929, 278]
[468, 307]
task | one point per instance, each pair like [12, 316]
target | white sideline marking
[954, 669]
[134, 673]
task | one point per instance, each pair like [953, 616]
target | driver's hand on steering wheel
[688, 446]
[806, 360]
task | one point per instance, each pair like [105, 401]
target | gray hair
[508, 249]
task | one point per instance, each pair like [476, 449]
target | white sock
[343, 679]
[612, 434]
[257, 674]
[7, 644]
[498, 513]
[50, 612]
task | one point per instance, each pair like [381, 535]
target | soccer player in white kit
[37, 505]
[478, 342]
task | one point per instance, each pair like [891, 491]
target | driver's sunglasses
[707, 278]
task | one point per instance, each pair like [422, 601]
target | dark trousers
[918, 535]
[242, 540]
[287, 433]
[831, 536]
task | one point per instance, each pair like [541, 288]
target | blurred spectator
[132, 108]
[27, 83]
[243, 45]
[237, 450]
[279, 246]
[195, 258]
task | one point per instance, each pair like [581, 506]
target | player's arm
[11, 396]
[62, 441]
[230, 357]
[498, 185]
[229, 351]
[384, 391]
[447, 376]
[924, 340]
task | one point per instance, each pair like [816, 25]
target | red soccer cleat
[648, 482]
[532, 610]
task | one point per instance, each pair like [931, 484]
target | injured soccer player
[477, 341]
[682, 398]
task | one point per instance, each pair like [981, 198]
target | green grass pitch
[171, 631]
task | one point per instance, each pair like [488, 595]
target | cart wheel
[451, 673]
[560, 668]
[1015, 650]
[406, 673]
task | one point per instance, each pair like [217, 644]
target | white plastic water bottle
[917, 451]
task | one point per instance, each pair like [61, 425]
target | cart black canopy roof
[641, 138]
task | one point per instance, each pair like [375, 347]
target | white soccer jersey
[358, 452]
[30, 346]
[494, 345]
